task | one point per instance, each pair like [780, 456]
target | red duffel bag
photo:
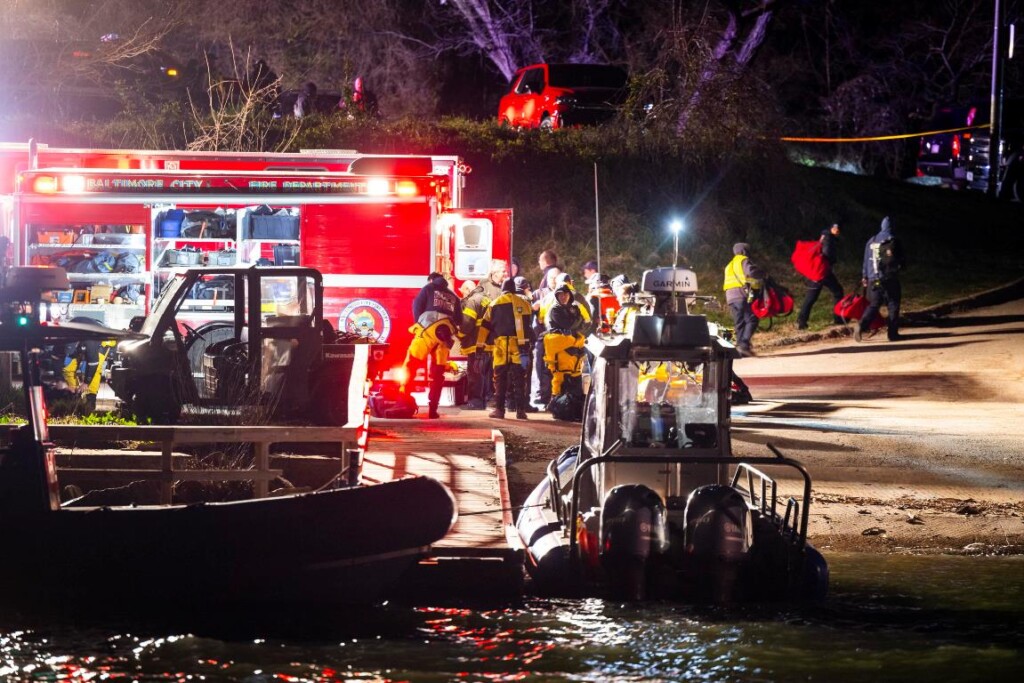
[808, 260]
[852, 307]
[773, 300]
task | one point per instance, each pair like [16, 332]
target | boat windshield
[669, 404]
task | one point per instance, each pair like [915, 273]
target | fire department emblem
[367, 318]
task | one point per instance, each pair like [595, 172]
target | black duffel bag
[208, 225]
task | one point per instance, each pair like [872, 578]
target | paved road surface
[935, 418]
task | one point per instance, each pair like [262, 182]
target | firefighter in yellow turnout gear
[88, 357]
[563, 343]
[438, 314]
[506, 327]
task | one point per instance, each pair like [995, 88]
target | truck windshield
[586, 76]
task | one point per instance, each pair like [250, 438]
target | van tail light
[956, 146]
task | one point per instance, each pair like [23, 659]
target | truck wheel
[155, 403]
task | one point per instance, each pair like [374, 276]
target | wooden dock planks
[464, 460]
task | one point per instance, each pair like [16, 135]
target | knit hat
[508, 286]
[437, 280]
[521, 284]
[741, 248]
[590, 265]
[563, 279]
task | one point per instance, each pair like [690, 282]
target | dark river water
[888, 618]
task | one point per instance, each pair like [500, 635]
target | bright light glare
[676, 226]
[44, 184]
[401, 375]
[378, 186]
[73, 184]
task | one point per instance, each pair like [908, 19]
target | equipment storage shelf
[86, 247]
[112, 278]
[107, 265]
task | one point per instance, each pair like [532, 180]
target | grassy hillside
[736, 190]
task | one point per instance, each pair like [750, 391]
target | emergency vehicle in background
[122, 223]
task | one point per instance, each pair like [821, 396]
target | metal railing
[261, 438]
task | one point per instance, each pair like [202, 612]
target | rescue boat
[346, 546]
[652, 503]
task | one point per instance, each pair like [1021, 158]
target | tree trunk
[727, 57]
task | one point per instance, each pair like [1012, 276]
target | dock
[481, 557]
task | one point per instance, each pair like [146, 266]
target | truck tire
[154, 402]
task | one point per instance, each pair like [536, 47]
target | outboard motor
[718, 533]
[634, 526]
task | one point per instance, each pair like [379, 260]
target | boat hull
[339, 547]
[772, 567]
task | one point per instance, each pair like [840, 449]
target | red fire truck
[122, 223]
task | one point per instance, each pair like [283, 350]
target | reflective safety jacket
[740, 275]
[507, 316]
[473, 307]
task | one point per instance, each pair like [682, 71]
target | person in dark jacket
[563, 343]
[438, 314]
[883, 260]
[506, 327]
[742, 280]
[305, 104]
[830, 252]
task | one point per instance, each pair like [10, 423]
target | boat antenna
[597, 219]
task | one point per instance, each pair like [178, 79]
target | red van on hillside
[557, 95]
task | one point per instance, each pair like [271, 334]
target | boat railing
[761, 492]
[261, 437]
[796, 517]
[555, 491]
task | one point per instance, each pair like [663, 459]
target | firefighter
[563, 343]
[478, 366]
[540, 378]
[629, 305]
[506, 325]
[84, 363]
[438, 314]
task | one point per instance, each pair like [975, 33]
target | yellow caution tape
[879, 138]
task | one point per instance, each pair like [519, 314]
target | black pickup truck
[1010, 183]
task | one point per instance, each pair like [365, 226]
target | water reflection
[888, 619]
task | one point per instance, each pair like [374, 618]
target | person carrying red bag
[829, 241]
